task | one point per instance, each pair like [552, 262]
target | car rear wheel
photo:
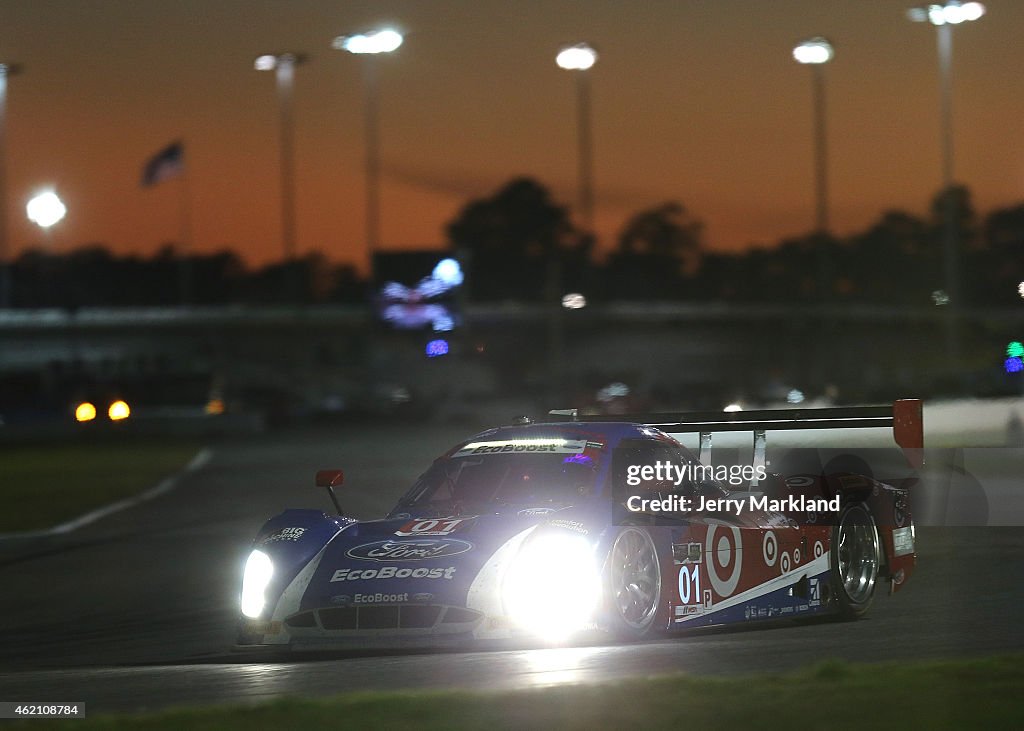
[634, 584]
[855, 557]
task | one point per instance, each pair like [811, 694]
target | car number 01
[430, 527]
[686, 581]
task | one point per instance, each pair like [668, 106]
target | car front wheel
[634, 584]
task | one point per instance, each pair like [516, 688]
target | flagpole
[6, 260]
[170, 162]
[185, 232]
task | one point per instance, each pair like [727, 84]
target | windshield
[487, 476]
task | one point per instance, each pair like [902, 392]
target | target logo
[796, 555]
[785, 562]
[723, 552]
[770, 549]
[818, 549]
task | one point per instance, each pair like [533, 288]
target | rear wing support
[760, 452]
[904, 417]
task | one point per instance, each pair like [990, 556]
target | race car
[561, 527]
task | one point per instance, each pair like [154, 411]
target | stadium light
[46, 209]
[576, 58]
[283, 64]
[816, 52]
[950, 13]
[370, 45]
[580, 58]
[384, 40]
[944, 16]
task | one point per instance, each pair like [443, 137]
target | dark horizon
[508, 241]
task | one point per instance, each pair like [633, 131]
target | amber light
[119, 411]
[85, 412]
[215, 406]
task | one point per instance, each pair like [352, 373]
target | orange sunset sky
[695, 101]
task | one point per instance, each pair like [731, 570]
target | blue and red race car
[563, 527]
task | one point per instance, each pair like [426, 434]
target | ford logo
[422, 549]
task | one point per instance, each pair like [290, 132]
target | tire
[633, 585]
[854, 560]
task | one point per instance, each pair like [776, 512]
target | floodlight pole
[579, 59]
[944, 17]
[950, 243]
[285, 87]
[817, 53]
[283, 65]
[586, 152]
[370, 45]
[820, 148]
[372, 132]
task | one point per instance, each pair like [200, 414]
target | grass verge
[978, 693]
[43, 485]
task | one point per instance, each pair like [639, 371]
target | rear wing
[904, 417]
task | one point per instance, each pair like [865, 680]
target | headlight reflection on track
[258, 571]
[552, 586]
[561, 665]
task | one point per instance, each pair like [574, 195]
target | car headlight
[85, 411]
[553, 585]
[119, 411]
[258, 571]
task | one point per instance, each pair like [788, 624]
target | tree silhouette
[996, 271]
[667, 230]
[895, 261]
[657, 248]
[519, 244]
[1004, 228]
[964, 217]
[509, 239]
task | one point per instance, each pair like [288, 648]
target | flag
[164, 165]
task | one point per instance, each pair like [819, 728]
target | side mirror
[330, 479]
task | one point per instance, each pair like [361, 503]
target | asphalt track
[138, 610]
